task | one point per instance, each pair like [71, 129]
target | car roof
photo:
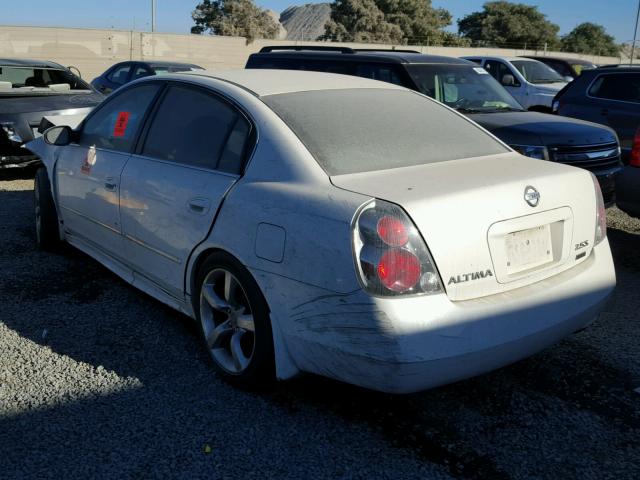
[495, 57]
[168, 64]
[263, 82]
[622, 68]
[23, 62]
[368, 55]
[561, 59]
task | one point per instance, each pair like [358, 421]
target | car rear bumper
[404, 345]
[628, 191]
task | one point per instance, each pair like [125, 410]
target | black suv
[611, 95]
[468, 88]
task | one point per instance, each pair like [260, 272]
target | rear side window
[623, 87]
[195, 128]
[115, 123]
[384, 73]
[141, 71]
[361, 130]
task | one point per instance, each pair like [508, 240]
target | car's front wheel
[234, 321]
[46, 217]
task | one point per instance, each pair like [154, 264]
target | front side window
[119, 74]
[115, 123]
[141, 71]
[384, 73]
[499, 71]
[466, 88]
[195, 128]
[368, 129]
[537, 72]
[623, 87]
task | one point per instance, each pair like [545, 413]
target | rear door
[614, 100]
[193, 151]
[88, 172]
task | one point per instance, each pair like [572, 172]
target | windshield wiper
[470, 110]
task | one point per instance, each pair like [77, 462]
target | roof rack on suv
[272, 48]
[385, 50]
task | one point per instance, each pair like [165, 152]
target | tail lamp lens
[635, 150]
[399, 270]
[601, 215]
[392, 231]
[391, 256]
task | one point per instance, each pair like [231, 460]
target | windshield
[368, 129]
[537, 72]
[21, 77]
[466, 88]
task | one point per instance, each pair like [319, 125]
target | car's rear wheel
[46, 217]
[234, 321]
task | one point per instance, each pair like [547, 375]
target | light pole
[635, 33]
[153, 15]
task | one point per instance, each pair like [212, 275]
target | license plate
[528, 249]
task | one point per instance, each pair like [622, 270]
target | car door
[614, 100]
[192, 153]
[498, 69]
[87, 173]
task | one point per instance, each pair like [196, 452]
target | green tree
[240, 18]
[592, 39]
[388, 21]
[509, 24]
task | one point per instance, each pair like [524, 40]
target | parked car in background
[606, 95]
[462, 85]
[569, 68]
[125, 72]
[29, 91]
[306, 231]
[531, 82]
[611, 95]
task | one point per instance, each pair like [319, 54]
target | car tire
[235, 327]
[46, 217]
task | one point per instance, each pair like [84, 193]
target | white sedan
[322, 223]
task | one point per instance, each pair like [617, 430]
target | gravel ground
[98, 380]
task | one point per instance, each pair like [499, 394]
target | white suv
[531, 82]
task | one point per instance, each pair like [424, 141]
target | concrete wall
[93, 51]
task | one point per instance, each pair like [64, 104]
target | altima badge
[531, 196]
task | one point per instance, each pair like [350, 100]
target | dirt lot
[99, 380]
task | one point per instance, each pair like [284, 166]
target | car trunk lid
[484, 236]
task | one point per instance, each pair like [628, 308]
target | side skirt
[130, 276]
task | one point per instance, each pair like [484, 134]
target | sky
[174, 16]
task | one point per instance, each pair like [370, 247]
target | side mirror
[59, 135]
[568, 78]
[508, 80]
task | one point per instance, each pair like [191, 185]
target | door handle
[199, 205]
[110, 184]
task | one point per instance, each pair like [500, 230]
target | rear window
[20, 77]
[361, 130]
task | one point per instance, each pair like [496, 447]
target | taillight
[635, 150]
[391, 256]
[601, 215]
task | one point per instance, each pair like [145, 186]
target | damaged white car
[322, 223]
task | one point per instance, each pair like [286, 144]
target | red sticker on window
[121, 124]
